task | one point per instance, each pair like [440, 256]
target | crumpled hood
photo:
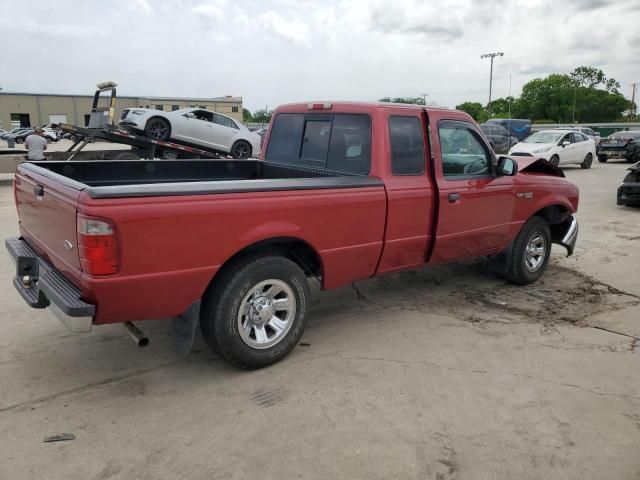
[537, 165]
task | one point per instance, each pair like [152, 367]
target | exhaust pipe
[135, 333]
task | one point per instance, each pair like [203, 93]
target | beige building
[37, 109]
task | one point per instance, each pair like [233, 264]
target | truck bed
[136, 178]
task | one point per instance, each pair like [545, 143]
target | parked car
[559, 147]
[629, 191]
[195, 126]
[520, 128]
[13, 131]
[343, 192]
[498, 137]
[2, 132]
[620, 145]
[20, 137]
[589, 132]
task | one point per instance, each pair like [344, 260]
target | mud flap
[184, 329]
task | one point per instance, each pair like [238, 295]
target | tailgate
[47, 211]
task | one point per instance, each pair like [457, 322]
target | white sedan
[194, 126]
[559, 147]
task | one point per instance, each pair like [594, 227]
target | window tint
[463, 153]
[225, 121]
[340, 142]
[407, 145]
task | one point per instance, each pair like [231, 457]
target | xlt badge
[527, 195]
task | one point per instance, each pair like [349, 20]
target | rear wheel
[602, 158]
[588, 160]
[256, 312]
[555, 160]
[241, 150]
[530, 252]
[19, 140]
[157, 129]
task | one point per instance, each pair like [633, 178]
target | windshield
[544, 137]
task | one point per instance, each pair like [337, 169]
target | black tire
[157, 129]
[555, 160]
[219, 314]
[241, 150]
[602, 158]
[587, 162]
[520, 271]
[125, 156]
[19, 140]
[48, 139]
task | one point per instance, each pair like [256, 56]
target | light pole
[573, 112]
[633, 100]
[424, 98]
[491, 56]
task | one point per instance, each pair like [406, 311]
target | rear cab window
[333, 141]
[407, 145]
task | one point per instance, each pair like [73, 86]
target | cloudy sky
[277, 51]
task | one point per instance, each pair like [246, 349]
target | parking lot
[444, 373]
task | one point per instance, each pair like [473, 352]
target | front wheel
[530, 252]
[588, 160]
[255, 313]
[19, 140]
[157, 129]
[241, 150]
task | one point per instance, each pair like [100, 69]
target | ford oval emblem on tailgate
[68, 246]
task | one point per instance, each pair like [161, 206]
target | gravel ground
[443, 373]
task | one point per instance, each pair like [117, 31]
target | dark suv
[498, 137]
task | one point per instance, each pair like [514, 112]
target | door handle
[454, 197]
[38, 190]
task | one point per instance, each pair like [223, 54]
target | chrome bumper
[42, 286]
[571, 235]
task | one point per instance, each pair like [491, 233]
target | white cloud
[210, 10]
[293, 30]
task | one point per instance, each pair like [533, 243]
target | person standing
[36, 144]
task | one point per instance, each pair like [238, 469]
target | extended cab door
[410, 190]
[476, 208]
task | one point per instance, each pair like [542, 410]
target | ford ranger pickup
[342, 192]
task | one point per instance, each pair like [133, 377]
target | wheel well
[556, 216]
[294, 249]
[161, 118]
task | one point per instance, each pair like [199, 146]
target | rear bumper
[42, 286]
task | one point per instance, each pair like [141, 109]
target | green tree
[246, 115]
[475, 109]
[500, 107]
[554, 98]
[262, 116]
[409, 100]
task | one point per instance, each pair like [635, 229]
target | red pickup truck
[343, 192]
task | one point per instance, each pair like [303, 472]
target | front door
[476, 208]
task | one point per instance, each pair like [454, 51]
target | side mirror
[507, 167]
[565, 143]
[189, 115]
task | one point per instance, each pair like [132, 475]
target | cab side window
[463, 153]
[407, 145]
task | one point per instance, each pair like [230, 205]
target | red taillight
[319, 106]
[97, 246]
